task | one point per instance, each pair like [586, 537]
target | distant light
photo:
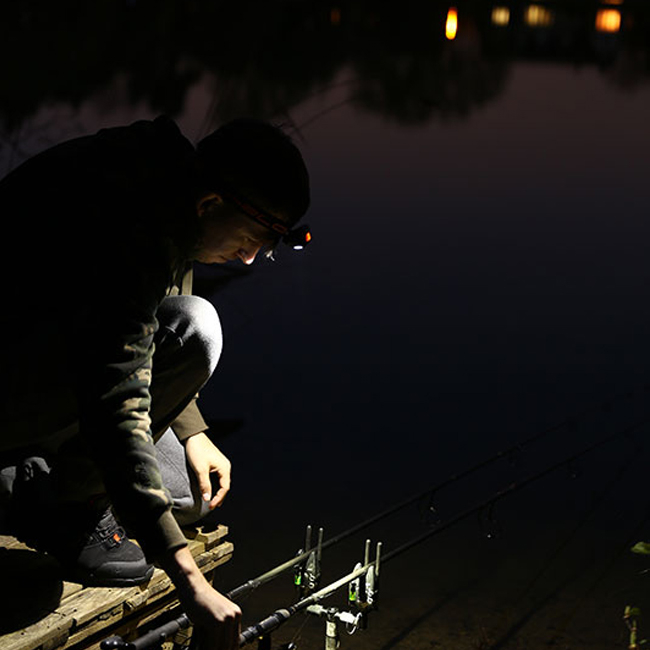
[335, 16]
[451, 26]
[538, 16]
[298, 247]
[500, 16]
[608, 20]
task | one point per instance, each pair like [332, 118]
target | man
[103, 359]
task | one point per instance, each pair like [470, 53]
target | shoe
[107, 558]
[89, 544]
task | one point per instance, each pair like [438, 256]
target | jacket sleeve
[189, 422]
[114, 368]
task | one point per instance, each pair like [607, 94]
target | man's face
[227, 234]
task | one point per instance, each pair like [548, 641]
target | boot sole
[91, 580]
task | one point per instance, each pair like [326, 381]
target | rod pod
[308, 572]
[362, 597]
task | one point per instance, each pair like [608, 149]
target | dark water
[479, 273]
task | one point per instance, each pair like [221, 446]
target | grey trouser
[188, 346]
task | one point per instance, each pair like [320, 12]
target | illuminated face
[227, 234]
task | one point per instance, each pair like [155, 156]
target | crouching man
[104, 358]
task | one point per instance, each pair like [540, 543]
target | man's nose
[247, 255]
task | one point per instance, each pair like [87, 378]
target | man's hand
[204, 458]
[215, 618]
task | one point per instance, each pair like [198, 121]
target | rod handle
[263, 627]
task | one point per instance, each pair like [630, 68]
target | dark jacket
[99, 229]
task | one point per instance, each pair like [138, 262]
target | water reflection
[608, 20]
[410, 63]
[538, 16]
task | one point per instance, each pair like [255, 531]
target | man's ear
[206, 200]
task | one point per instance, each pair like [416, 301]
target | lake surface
[478, 274]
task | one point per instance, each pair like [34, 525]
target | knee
[196, 328]
[205, 336]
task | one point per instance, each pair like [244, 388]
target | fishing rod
[272, 622]
[154, 638]
[570, 421]
[369, 570]
[516, 486]
[280, 616]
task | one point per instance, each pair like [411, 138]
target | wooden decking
[39, 611]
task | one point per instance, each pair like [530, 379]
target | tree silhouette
[266, 57]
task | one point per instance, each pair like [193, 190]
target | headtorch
[295, 238]
[298, 238]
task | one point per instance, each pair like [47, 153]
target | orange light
[608, 20]
[335, 16]
[451, 26]
[308, 237]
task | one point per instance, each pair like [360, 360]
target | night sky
[475, 277]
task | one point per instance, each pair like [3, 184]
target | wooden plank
[70, 589]
[90, 613]
[197, 546]
[51, 632]
[95, 609]
[207, 539]
[32, 588]
[128, 626]
[7, 541]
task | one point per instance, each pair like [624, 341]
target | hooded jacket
[98, 231]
